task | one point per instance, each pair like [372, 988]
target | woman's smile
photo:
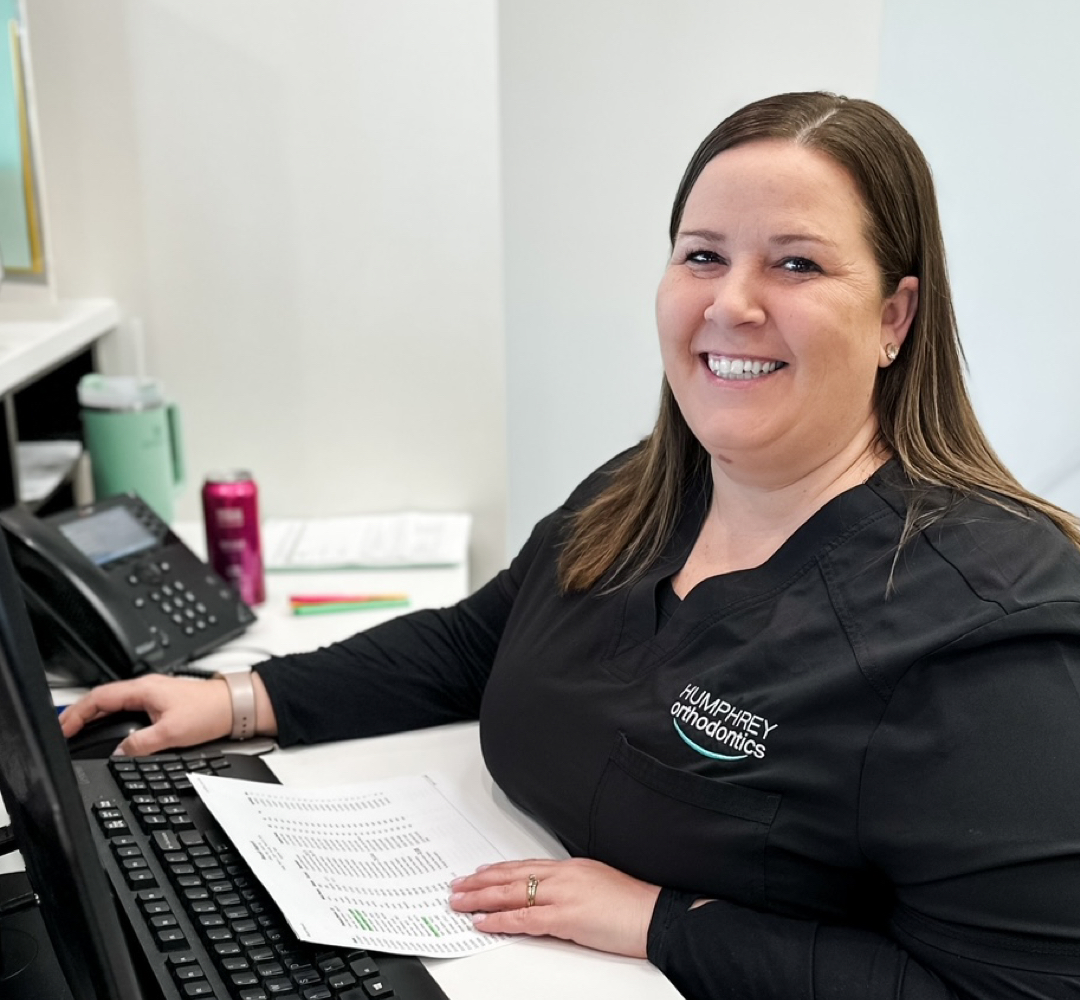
[729, 368]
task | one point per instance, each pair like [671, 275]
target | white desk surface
[529, 969]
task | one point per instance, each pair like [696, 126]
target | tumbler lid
[120, 392]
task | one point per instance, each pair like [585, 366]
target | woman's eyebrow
[712, 235]
[786, 239]
[783, 239]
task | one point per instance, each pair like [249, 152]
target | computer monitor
[52, 830]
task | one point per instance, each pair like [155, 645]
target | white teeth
[734, 369]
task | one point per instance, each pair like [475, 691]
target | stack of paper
[43, 466]
[366, 541]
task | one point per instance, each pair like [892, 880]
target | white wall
[989, 92]
[603, 104]
[301, 200]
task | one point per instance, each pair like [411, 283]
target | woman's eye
[799, 265]
[703, 257]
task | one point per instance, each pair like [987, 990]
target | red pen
[344, 598]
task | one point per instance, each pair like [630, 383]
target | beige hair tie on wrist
[242, 693]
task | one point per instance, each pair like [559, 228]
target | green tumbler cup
[133, 438]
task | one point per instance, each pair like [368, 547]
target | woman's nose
[736, 300]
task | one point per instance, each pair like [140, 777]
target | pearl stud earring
[891, 350]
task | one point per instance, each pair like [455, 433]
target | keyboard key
[198, 988]
[329, 963]
[340, 980]
[180, 958]
[377, 987]
[277, 986]
[167, 840]
[245, 978]
[362, 965]
[170, 939]
[316, 993]
[186, 973]
[306, 976]
[140, 879]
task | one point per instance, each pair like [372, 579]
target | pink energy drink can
[231, 514]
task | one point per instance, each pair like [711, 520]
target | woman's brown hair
[924, 413]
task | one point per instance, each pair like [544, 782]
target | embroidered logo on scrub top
[716, 728]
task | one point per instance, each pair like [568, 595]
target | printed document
[366, 541]
[363, 866]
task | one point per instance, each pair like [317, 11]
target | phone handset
[92, 610]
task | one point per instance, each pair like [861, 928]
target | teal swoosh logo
[708, 753]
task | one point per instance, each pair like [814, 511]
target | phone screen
[108, 535]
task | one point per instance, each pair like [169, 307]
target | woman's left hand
[578, 899]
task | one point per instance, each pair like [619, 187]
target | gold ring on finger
[530, 890]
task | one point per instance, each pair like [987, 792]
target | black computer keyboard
[202, 921]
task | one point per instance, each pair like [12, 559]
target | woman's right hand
[183, 712]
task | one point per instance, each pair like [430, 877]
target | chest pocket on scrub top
[680, 829]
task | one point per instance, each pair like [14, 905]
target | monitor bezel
[50, 823]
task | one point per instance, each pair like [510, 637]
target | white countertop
[36, 336]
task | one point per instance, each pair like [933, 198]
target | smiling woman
[794, 680]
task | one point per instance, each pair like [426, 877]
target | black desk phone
[113, 592]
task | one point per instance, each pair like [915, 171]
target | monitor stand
[28, 966]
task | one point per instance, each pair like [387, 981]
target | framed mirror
[22, 244]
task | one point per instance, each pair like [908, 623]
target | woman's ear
[897, 314]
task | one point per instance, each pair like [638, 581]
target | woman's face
[771, 318]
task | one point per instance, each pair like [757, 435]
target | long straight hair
[925, 417]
